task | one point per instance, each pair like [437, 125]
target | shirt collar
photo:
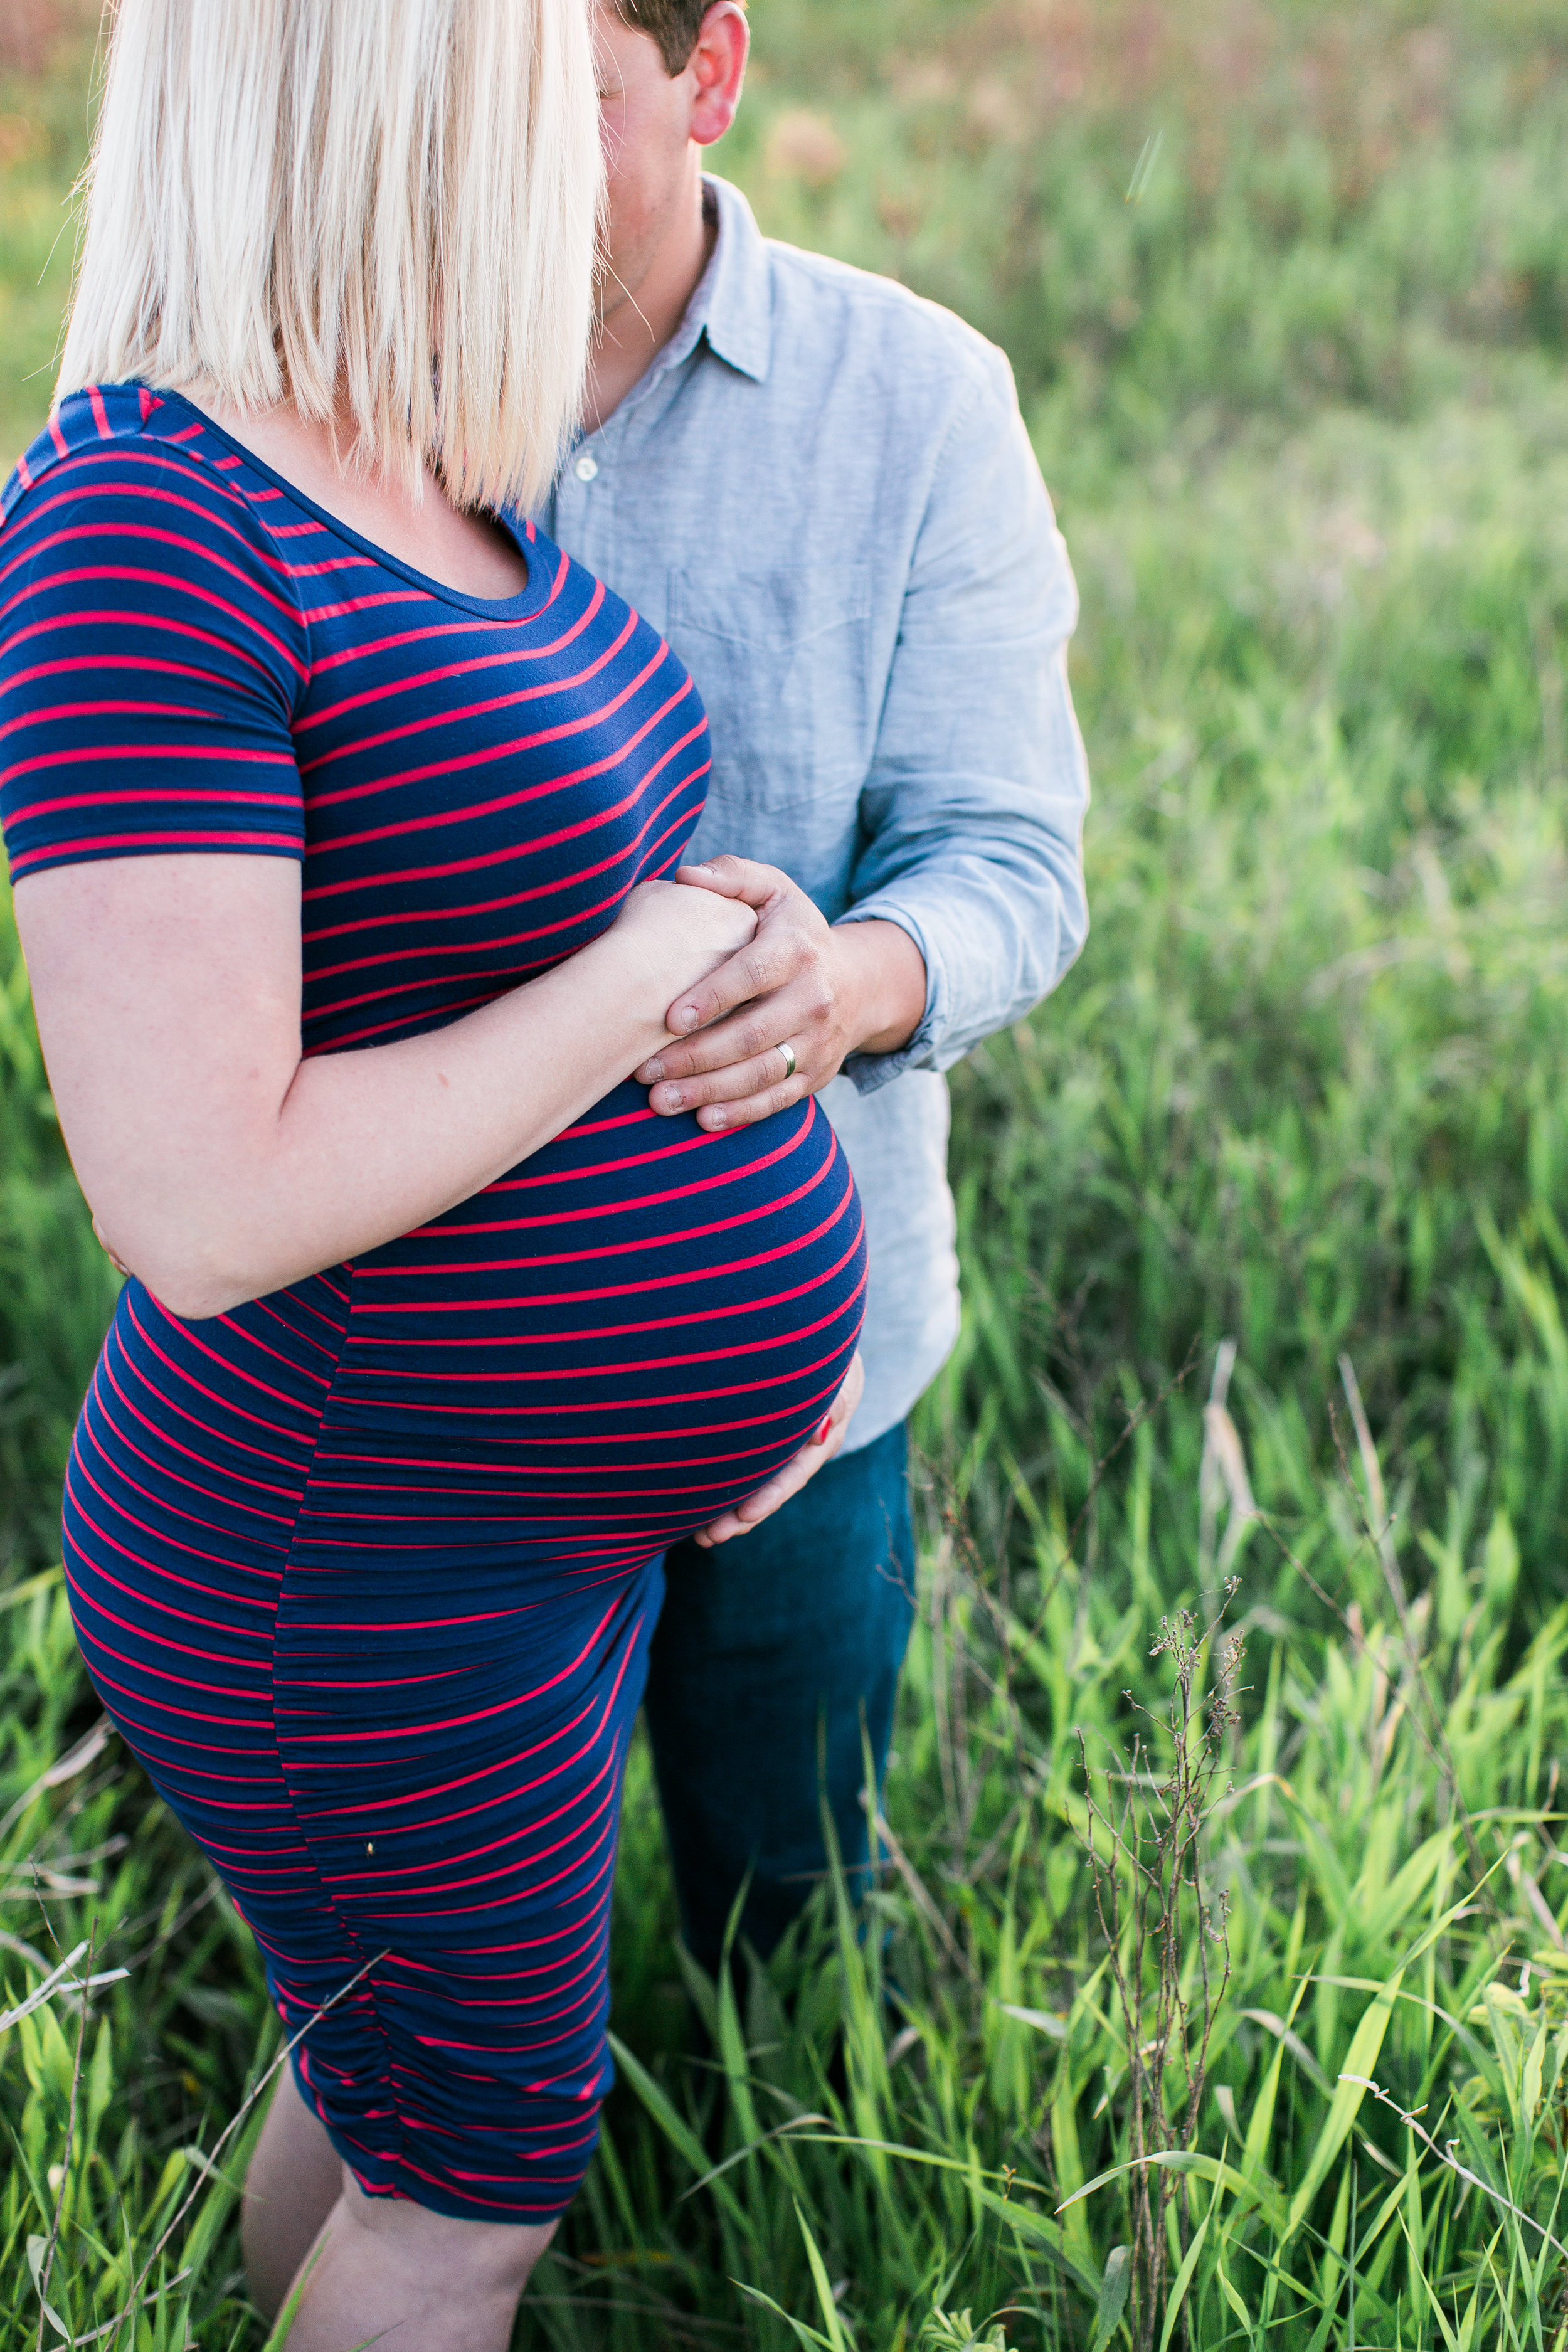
[733, 305]
[732, 302]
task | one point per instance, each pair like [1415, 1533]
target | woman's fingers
[118, 1264]
[819, 1450]
[729, 1524]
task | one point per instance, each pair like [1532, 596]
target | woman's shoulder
[151, 660]
[128, 441]
[86, 427]
[131, 488]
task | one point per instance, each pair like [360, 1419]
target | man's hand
[813, 1457]
[825, 991]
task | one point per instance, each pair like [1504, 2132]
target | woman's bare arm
[218, 1164]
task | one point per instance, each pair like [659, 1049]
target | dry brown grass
[33, 32]
[1332, 73]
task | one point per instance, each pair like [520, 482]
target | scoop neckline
[528, 600]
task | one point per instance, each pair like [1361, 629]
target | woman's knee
[294, 2180]
[493, 2257]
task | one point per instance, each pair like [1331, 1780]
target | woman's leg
[383, 2263]
[296, 2177]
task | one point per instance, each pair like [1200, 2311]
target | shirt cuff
[867, 1072]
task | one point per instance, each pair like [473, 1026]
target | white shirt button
[586, 467]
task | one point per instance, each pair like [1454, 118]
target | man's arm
[973, 807]
[967, 897]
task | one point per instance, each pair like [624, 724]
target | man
[818, 487]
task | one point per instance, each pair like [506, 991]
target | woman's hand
[683, 935]
[102, 1239]
[795, 1473]
[824, 991]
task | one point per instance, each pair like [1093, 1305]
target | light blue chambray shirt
[823, 495]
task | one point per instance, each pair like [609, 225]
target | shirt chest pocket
[782, 659]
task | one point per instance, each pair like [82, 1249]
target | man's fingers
[743, 1037]
[746, 1036]
[736, 877]
[770, 960]
[718, 1118]
[799, 1008]
[766, 1073]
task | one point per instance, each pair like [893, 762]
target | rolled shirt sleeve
[971, 813]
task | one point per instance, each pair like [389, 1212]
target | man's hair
[308, 200]
[673, 23]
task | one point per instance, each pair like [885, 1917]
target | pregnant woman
[340, 813]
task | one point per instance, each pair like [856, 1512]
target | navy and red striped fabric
[366, 1570]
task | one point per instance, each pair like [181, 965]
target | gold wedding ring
[788, 1052]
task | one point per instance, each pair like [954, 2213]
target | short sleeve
[153, 652]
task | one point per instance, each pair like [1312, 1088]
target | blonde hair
[382, 211]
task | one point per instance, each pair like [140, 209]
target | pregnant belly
[622, 1337]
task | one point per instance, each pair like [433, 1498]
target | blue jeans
[804, 1621]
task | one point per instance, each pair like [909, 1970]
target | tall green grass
[1301, 404]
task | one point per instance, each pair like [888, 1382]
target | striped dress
[365, 1571]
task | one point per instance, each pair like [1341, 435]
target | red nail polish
[823, 1434]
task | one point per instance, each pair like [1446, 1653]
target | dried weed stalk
[1166, 1938]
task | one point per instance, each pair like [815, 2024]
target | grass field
[1230, 1983]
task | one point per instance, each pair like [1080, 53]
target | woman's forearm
[367, 1145]
[218, 1163]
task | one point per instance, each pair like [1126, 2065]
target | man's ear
[716, 69]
